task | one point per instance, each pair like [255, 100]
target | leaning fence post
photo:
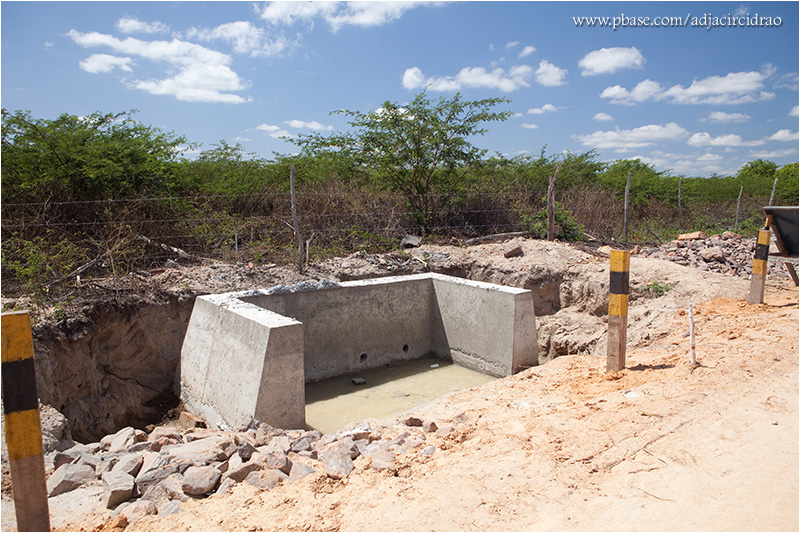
[551, 205]
[738, 203]
[619, 288]
[758, 277]
[625, 208]
[23, 427]
[295, 223]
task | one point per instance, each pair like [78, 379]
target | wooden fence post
[23, 427]
[625, 214]
[738, 203]
[295, 222]
[619, 288]
[758, 277]
[551, 205]
[774, 186]
[680, 205]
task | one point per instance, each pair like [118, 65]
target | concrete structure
[244, 358]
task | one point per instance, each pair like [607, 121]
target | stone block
[200, 480]
[118, 487]
[69, 477]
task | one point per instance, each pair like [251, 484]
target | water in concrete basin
[391, 390]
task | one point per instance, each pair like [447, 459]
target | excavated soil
[661, 445]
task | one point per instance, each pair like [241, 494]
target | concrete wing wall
[476, 324]
[234, 357]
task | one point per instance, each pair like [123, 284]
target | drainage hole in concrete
[405, 347]
[363, 357]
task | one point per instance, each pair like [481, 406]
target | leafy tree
[788, 178]
[421, 149]
[757, 177]
[99, 156]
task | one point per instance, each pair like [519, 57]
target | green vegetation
[98, 195]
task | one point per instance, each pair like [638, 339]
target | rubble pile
[727, 253]
[143, 474]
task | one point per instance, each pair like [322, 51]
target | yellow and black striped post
[758, 278]
[619, 288]
[23, 428]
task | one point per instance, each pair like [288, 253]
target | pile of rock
[145, 474]
[727, 253]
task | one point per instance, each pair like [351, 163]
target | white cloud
[550, 75]
[512, 44]
[105, 63]
[244, 36]
[795, 111]
[721, 117]
[783, 135]
[546, 108]
[197, 73]
[731, 139]
[774, 153]
[787, 81]
[634, 138]
[337, 14]
[710, 157]
[313, 125]
[610, 60]
[525, 52]
[273, 131]
[530, 126]
[644, 90]
[498, 78]
[133, 25]
[517, 115]
[602, 117]
[731, 89]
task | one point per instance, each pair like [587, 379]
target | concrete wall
[489, 328]
[248, 355]
[239, 362]
[359, 324]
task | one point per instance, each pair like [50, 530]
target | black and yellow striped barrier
[23, 428]
[619, 288]
[758, 278]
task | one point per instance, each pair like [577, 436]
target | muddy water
[334, 403]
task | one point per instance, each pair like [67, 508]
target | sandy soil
[660, 446]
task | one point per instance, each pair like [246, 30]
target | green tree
[99, 156]
[788, 178]
[421, 149]
[757, 177]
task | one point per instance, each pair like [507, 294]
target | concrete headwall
[248, 355]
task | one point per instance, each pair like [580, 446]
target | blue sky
[695, 98]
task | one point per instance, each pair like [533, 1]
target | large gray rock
[173, 485]
[55, 431]
[156, 494]
[118, 487]
[299, 471]
[274, 460]
[336, 460]
[139, 509]
[266, 479]
[143, 481]
[130, 463]
[69, 477]
[122, 439]
[240, 472]
[173, 507]
[200, 480]
[202, 451]
[151, 461]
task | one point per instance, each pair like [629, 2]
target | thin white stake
[691, 334]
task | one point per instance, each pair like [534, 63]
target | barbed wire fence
[51, 241]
